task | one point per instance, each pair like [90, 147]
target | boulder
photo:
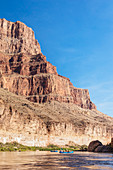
[93, 145]
[104, 148]
[99, 148]
[112, 142]
[107, 149]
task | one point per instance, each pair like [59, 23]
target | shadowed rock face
[25, 71]
[93, 145]
[112, 142]
[104, 149]
[97, 146]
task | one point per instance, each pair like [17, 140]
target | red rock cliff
[25, 71]
[16, 37]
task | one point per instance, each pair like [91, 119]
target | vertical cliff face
[65, 114]
[25, 71]
[16, 37]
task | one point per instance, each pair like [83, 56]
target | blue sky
[77, 37]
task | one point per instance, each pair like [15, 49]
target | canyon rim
[38, 106]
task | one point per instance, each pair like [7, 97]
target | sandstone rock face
[50, 123]
[93, 145]
[45, 88]
[16, 37]
[37, 105]
[25, 71]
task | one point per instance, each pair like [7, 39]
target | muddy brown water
[47, 160]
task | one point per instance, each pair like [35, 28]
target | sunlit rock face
[25, 70]
[50, 123]
[37, 105]
[16, 37]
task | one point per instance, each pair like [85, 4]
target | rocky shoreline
[94, 146]
[97, 146]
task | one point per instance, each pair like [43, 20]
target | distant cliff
[39, 106]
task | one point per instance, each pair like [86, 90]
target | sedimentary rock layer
[50, 123]
[38, 80]
[25, 71]
[16, 37]
[37, 105]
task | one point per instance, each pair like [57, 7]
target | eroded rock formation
[50, 123]
[37, 105]
[16, 37]
[24, 69]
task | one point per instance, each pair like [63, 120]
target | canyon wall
[54, 123]
[25, 71]
[37, 105]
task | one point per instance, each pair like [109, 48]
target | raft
[54, 151]
[66, 152]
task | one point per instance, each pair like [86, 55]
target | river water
[51, 161]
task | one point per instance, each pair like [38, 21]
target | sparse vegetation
[14, 146]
